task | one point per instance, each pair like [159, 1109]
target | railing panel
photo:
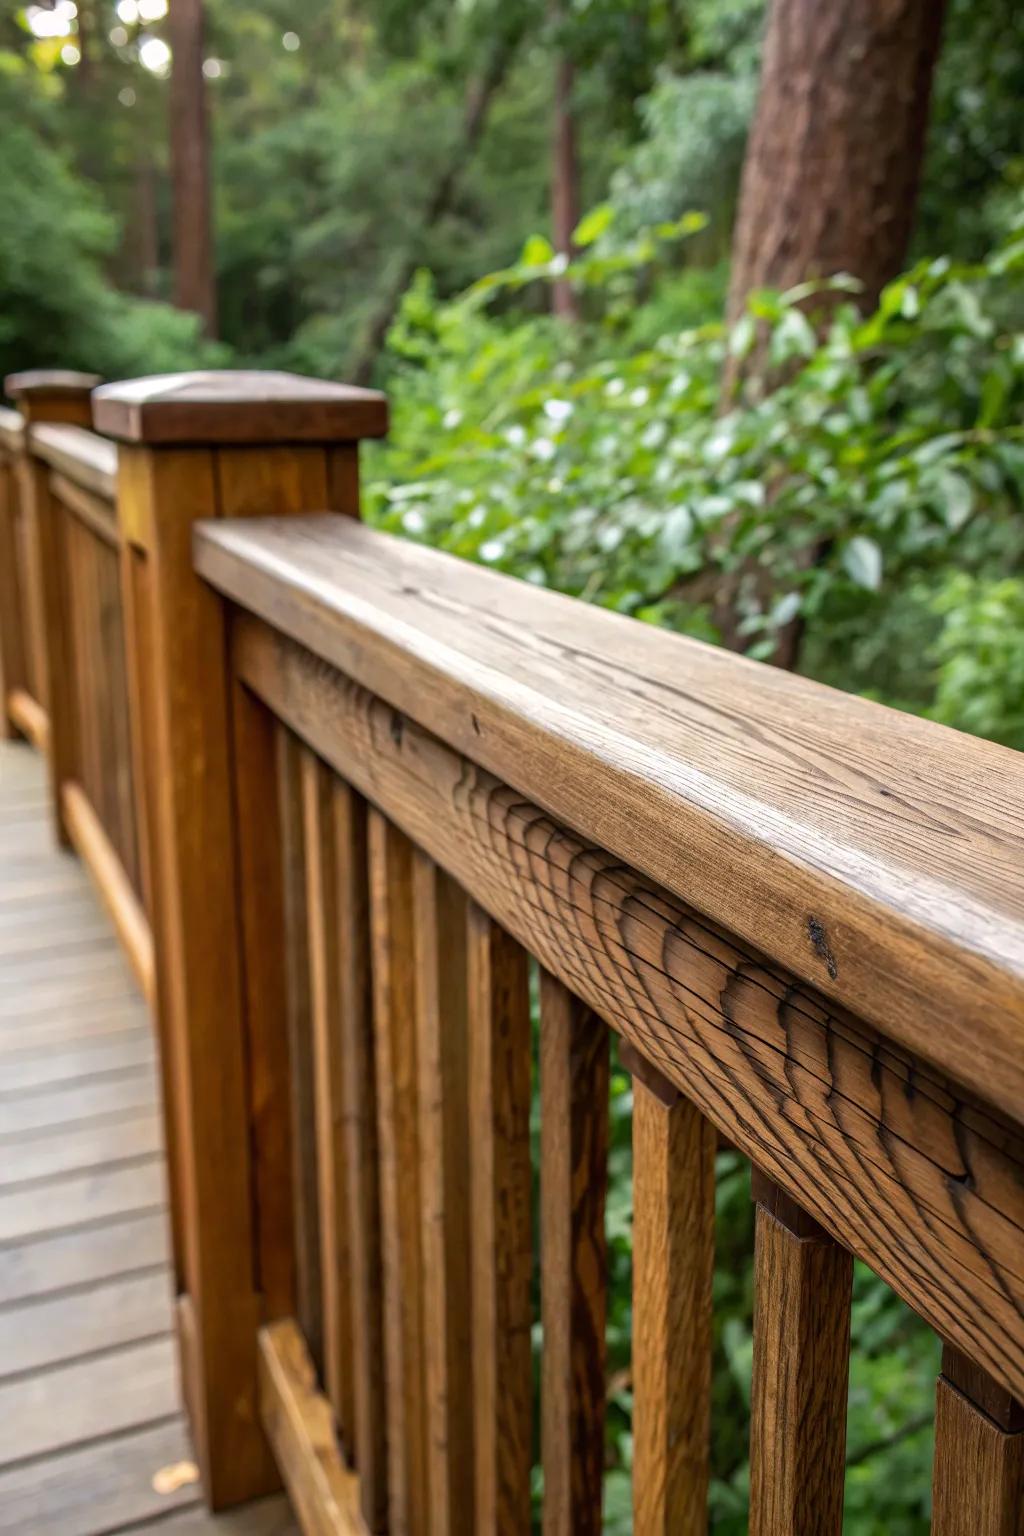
[802, 1289]
[392, 922]
[673, 1263]
[869, 1140]
[499, 1130]
[442, 1044]
[979, 1455]
[574, 1087]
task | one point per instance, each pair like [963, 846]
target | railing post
[207, 446]
[42, 706]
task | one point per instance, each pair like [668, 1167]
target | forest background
[703, 310]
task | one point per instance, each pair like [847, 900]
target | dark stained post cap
[236, 407]
[49, 381]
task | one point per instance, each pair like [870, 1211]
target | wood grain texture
[305, 1193]
[442, 1045]
[502, 1251]
[394, 985]
[673, 1264]
[361, 1150]
[802, 1287]
[83, 457]
[238, 407]
[300, 1424]
[912, 1173]
[13, 664]
[574, 1258]
[874, 855]
[978, 1484]
[329, 1093]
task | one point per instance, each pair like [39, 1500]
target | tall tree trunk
[830, 181]
[194, 282]
[832, 169]
[565, 202]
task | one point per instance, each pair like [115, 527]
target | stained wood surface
[500, 1194]
[90, 1408]
[912, 1173]
[877, 856]
[574, 1258]
[802, 1287]
[83, 457]
[978, 1482]
[673, 1266]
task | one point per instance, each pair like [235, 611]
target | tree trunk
[832, 169]
[194, 282]
[565, 209]
[830, 183]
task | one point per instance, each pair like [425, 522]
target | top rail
[83, 457]
[878, 856]
[12, 429]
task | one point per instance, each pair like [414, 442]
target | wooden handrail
[878, 856]
[12, 430]
[82, 456]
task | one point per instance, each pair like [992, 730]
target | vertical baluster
[309, 1301]
[445, 1153]
[499, 1097]
[673, 1262]
[803, 1283]
[574, 1258]
[394, 983]
[328, 1091]
[355, 1006]
[978, 1485]
[13, 660]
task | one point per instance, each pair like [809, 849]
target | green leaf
[862, 561]
[957, 498]
[594, 224]
[537, 252]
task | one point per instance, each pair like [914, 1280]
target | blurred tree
[194, 282]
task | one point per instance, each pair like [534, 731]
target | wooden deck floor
[89, 1402]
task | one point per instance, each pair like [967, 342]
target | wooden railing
[381, 790]
[63, 658]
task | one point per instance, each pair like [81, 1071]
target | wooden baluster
[803, 1283]
[328, 1092]
[445, 1151]
[499, 1125]
[673, 1262]
[978, 1485]
[394, 985]
[306, 1215]
[574, 1258]
[50, 397]
[13, 660]
[214, 446]
[361, 1151]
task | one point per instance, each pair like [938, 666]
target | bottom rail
[99, 856]
[29, 718]
[300, 1427]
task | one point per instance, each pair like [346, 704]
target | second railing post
[195, 447]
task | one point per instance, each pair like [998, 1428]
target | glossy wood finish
[912, 1173]
[574, 1258]
[802, 1288]
[834, 835]
[673, 1265]
[978, 1487]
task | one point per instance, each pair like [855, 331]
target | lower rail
[29, 717]
[99, 856]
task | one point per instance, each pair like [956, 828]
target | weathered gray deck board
[90, 1407]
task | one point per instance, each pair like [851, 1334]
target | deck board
[90, 1405]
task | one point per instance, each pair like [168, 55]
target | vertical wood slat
[499, 1098]
[13, 659]
[978, 1484]
[674, 1150]
[803, 1283]
[574, 1084]
[445, 1152]
[309, 1301]
[349, 817]
[391, 858]
[328, 1090]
